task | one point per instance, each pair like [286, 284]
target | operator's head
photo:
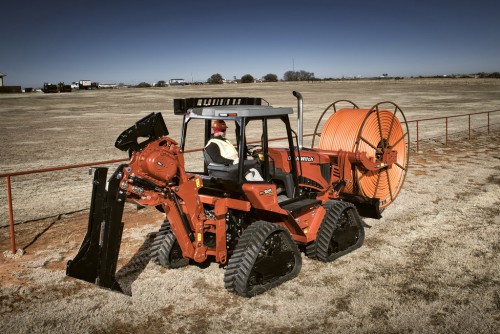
[219, 127]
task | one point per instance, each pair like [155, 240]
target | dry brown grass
[430, 265]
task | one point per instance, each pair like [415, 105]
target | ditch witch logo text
[303, 159]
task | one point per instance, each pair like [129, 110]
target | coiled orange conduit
[370, 131]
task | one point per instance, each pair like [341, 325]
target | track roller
[165, 250]
[340, 233]
[264, 257]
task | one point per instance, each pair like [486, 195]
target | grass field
[430, 265]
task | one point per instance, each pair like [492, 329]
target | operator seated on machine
[221, 150]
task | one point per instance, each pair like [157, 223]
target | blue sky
[151, 40]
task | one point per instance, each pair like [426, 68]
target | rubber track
[162, 245]
[311, 248]
[318, 249]
[245, 254]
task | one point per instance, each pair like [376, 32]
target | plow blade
[367, 207]
[96, 260]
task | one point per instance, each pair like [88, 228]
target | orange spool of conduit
[371, 131]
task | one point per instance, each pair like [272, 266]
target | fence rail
[446, 118]
[90, 164]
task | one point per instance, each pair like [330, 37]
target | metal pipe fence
[418, 123]
[446, 125]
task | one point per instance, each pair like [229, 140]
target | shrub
[247, 78]
[270, 78]
[215, 79]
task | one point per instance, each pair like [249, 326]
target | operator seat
[226, 172]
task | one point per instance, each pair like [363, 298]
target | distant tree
[495, 75]
[298, 76]
[290, 76]
[270, 78]
[161, 83]
[143, 85]
[215, 79]
[306, 76]
[247, 78]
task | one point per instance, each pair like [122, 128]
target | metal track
[165, 250]
[264, 257]
[340, 233]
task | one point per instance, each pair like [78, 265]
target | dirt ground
[431, 264]
[47, 130]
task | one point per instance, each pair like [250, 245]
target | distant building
[84, 84]
[87, 84]
[179, 82]
[107, 85]
[8, 89]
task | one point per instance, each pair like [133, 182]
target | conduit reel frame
[387, 177]
[334, 106]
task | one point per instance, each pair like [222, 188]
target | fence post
[417, 136]
[469, 126]
[488, 122]
[11, 217]
[446, 140]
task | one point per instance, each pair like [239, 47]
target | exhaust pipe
[300, 118]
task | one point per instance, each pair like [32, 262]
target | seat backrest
[207, 157]
[286, 178]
